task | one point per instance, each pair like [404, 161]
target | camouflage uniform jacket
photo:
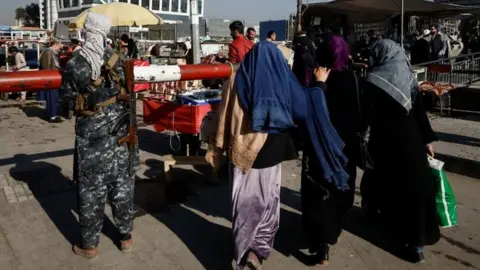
[100, 159]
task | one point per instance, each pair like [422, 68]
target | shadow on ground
[34, 111]
[198, 213]
[48, 180]
[189, 200]
[458, 139]
[157, 143]
[459, 165]
[356, 222]
[193, 201]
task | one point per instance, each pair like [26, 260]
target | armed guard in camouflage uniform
[92, 83]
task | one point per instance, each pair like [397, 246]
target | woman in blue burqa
[261, 104]
[401, 186]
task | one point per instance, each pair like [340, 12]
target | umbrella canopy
[121, 14]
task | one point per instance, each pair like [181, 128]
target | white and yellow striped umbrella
[121, 14]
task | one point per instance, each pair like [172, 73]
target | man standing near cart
[240, 45]
[91, 85]
[438, 44]
[19, 65]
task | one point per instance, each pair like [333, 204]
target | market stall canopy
[121, 14]
[395, 5]
[366, 11]
[354, 14]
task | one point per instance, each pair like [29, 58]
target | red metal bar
[205, 72]
[45, 80]
[30, 80]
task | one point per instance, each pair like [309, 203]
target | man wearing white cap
[420, 52]
[101, 165]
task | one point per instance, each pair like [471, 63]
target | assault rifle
[131, 138]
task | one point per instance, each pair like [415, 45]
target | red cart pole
[47, 79]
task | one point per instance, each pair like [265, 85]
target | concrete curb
[462, 166]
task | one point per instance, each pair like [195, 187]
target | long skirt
[51, 98]
[323, 205]
[256, 211]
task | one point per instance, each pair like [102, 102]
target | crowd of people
[50, 59]
[268, 113]
[423, 46]
[432, 45]
[342, 119]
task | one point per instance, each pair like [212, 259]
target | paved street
[38, 215]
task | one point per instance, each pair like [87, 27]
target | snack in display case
[200, 96]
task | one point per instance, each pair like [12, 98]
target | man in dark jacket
[131, 46]
[438, 44]
[421, 49]
[49, 60]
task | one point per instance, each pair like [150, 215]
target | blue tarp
[280, 27]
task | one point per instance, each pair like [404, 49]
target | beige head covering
[96, 28]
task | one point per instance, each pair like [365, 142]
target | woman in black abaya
[401, 187]
[323, 205]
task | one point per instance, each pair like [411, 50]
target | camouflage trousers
[102, 171]
[92, 199]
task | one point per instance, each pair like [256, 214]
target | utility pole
[402, 22]
[195, 31]
[299, 15]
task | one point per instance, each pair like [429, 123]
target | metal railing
[462, 69]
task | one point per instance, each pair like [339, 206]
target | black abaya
[401, 186]
[323, 205]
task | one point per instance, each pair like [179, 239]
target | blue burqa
[276, 102]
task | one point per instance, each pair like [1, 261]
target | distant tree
[32, 15]
[20, 13]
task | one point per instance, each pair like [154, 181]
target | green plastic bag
[445, 197]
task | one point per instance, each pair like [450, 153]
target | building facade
[171, 11]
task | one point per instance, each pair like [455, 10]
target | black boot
[418, 255]
[414, 254]
[322, 254]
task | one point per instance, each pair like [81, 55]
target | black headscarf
[390, 71]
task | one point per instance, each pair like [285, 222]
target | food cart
[179, 106]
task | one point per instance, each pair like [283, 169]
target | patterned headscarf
[96, 28]
[390, 71]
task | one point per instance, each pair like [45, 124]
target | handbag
[364, 160]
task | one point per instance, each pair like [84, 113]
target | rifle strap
[97, 108]
[108, 70]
